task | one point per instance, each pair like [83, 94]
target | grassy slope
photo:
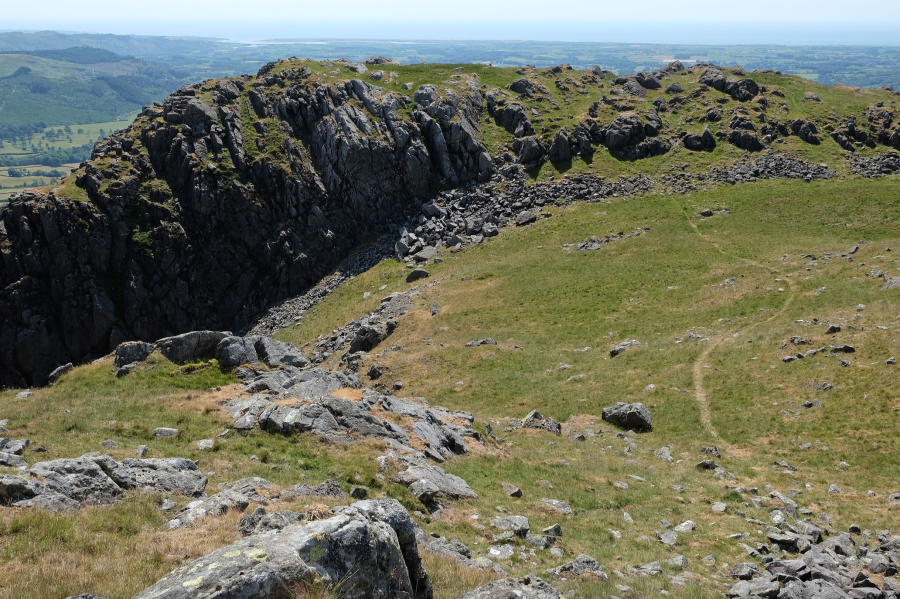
[553, 302]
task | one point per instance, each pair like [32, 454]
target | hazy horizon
[425, 31]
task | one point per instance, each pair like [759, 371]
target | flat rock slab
[527, 587]
[68, 484]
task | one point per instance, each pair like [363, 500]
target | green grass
[552, 302]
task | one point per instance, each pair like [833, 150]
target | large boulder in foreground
[369, 549]
[630, 416]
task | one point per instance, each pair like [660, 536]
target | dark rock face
[275, 182]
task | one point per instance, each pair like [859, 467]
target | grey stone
[370, 549]
[232, 352]
[132, 351]
[670, 537]
[329, 488]
[664, 453]
[686, 526]
[216, 505]
[559, 506]
[633, 416]
[583, 564]
[679, 561]
[278, 353]
[205, 444]
[744, 571]
[54, 376]
[190, 346]
[527, 587]
[164, 432]
[526, 217]
[766, 589]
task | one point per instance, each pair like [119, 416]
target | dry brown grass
[450, 579]
[92, 550]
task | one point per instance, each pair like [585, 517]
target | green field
[740, 283]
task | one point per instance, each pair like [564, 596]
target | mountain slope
[238, 193]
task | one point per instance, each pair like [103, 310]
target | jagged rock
[534, 419]
[633, 416]
[369, 547]
[447, 485]
[559, 506]
[527, 587]
[621, 347]
[744, 571]
[560, 149]
[287, 228]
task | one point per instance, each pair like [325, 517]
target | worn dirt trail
[700, 392]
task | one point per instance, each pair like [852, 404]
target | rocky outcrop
[276, 179]
[367, 550]
[68, 484]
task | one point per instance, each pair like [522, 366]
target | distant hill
[132, 45]
[79, 85]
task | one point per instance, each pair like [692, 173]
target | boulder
[132, 351]
[416, 274]
[232, 352]
[525, 217]
[634, 416]
[527, 587]
[216, 505]
[369, 548]
[277, 353]
[561, 148]
[199, 116]
[714, 77]
[190, 346]
[54, 376]
[742, 90]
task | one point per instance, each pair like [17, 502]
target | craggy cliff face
[230, 196]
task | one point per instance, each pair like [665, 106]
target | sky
[641, 21]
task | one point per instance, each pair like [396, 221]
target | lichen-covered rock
[369, 549]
